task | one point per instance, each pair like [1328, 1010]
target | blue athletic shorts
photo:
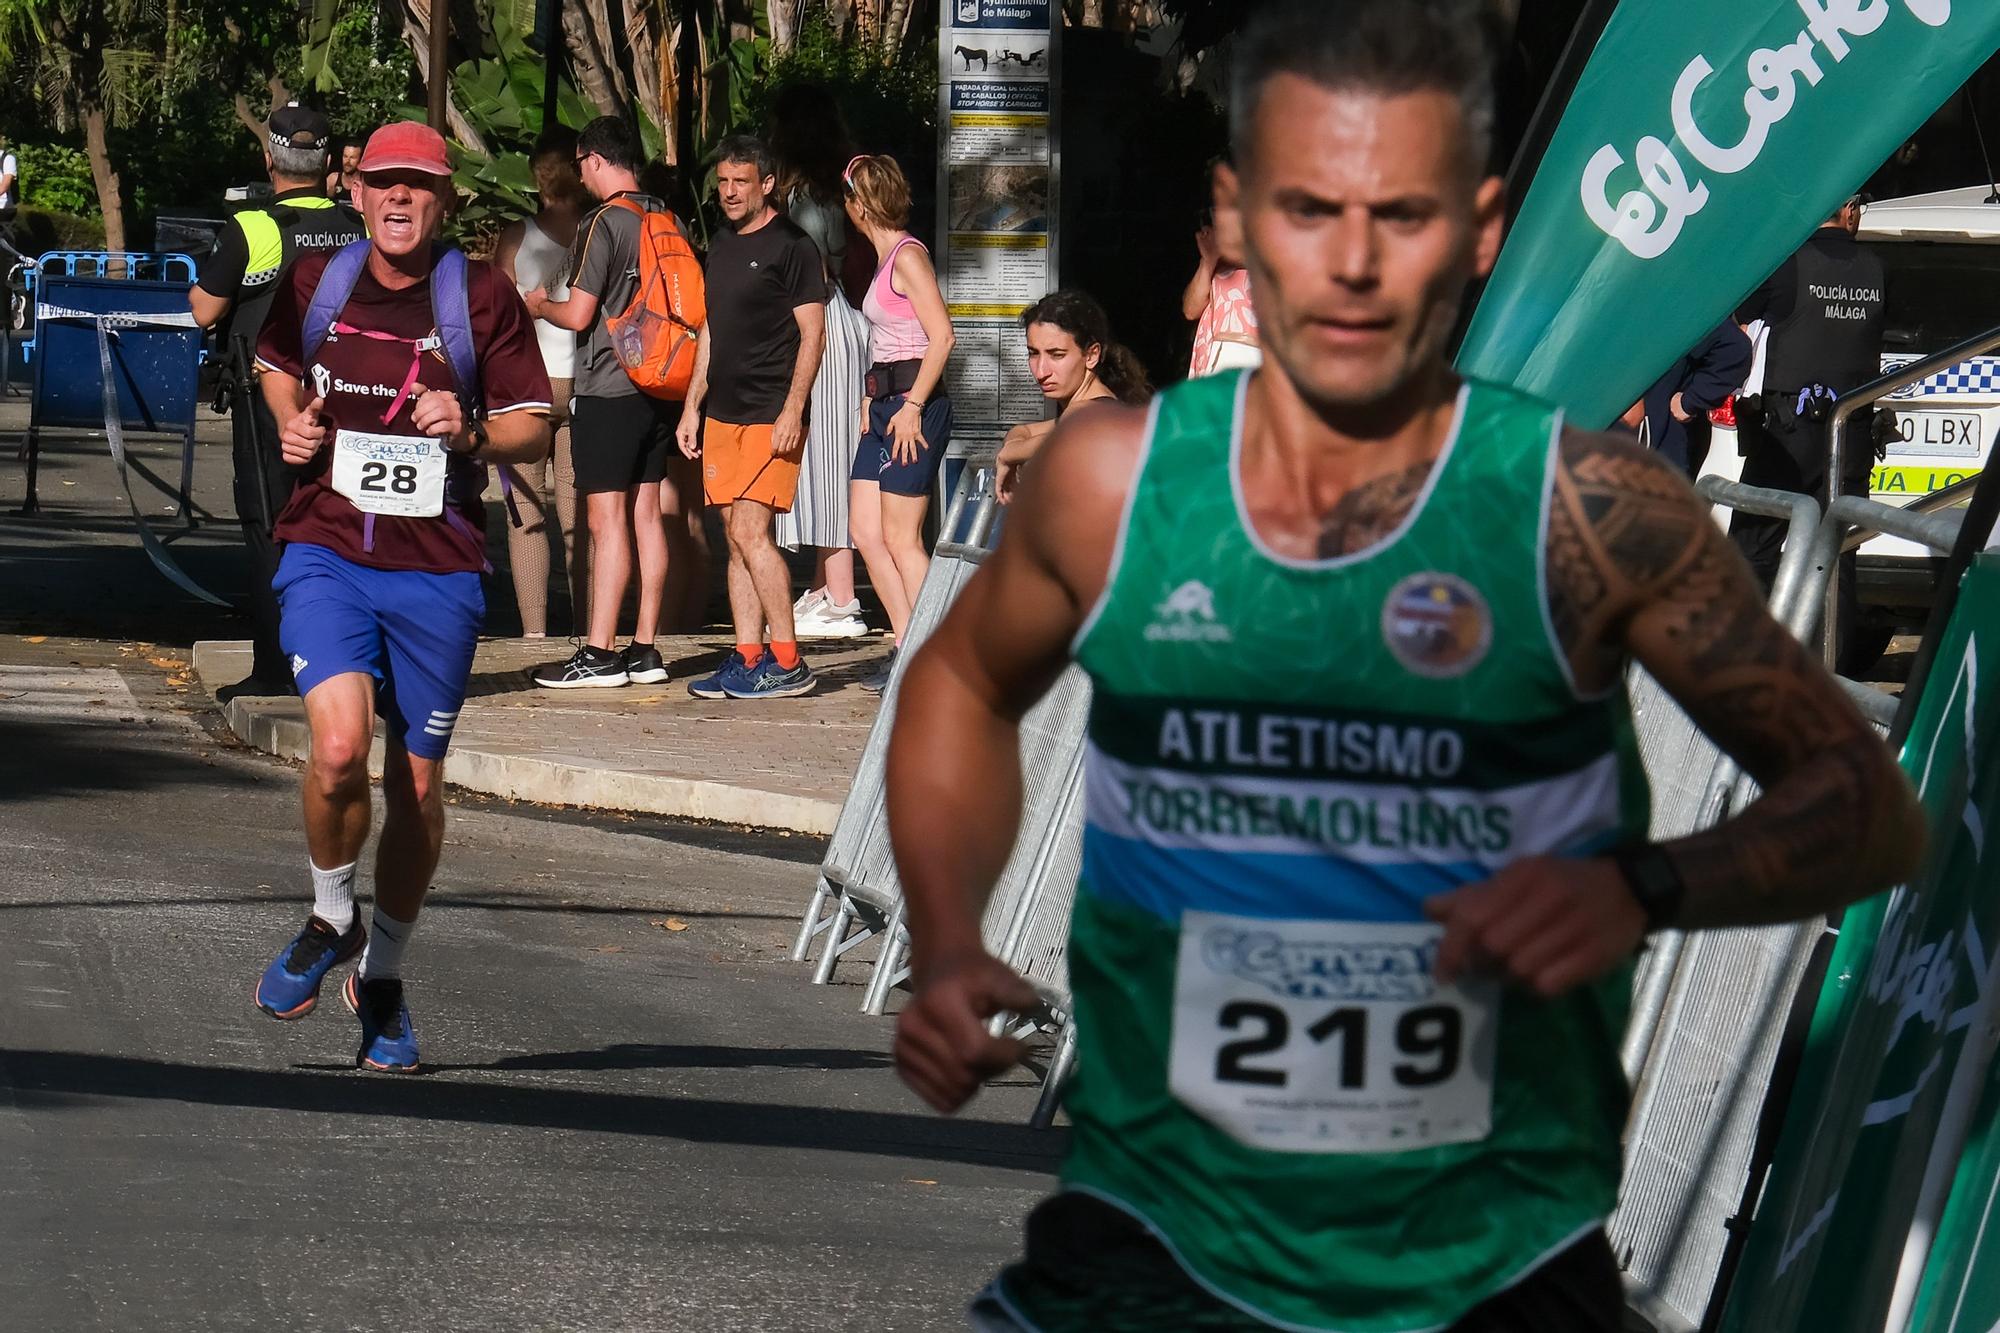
[876, 461]
[413, 632]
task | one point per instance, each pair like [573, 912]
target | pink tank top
[1228, 318]
[895, 333]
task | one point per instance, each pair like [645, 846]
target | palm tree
[93, 63]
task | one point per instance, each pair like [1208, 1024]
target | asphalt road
[622, 1126]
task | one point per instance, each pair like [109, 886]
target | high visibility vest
[272, 235]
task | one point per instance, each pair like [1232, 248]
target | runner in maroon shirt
[379, 582]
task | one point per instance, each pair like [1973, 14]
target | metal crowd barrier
[858, 877]
[857, 896]
[117, 353]
[1710, 1010]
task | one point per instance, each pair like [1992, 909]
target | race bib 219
[1329, 1036]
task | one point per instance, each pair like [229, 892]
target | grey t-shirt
[606, 264]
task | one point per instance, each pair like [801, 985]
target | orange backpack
[655, 336]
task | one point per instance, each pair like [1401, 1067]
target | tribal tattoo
[1637, 566]
[1371, 511]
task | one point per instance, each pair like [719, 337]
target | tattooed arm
[1637, 566]
[1637, 569]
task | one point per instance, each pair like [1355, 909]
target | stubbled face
[350, 161]
[1057, 363]
[1361, 223]
[403, 208]
[741, 190]
[590, 173]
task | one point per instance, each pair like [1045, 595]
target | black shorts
[1094, 1268]
[619, 443]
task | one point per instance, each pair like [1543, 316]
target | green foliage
[373, 74]
[40, 230]
[890, 105]
[500, 95]
[55, 177]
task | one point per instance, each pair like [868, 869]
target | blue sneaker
[768, 680]
[388, 1041]
[290, 986]
[716, 685]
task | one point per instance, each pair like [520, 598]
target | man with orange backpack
[636, 297]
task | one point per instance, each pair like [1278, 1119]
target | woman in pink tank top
[907, 420]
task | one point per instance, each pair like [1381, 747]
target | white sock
[386, 938]
[333, 895]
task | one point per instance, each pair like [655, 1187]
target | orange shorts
[736, 464]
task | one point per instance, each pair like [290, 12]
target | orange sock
[749, 652]
[787, 653]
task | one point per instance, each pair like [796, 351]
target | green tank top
[1285, 759]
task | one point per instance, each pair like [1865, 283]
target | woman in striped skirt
[809, 139]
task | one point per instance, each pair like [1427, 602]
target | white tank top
[540, 262]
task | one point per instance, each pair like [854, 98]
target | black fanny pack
[886, 379]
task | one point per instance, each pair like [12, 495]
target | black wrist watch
[477, 430]
[1654, 880]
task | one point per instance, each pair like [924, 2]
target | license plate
[1937, 434]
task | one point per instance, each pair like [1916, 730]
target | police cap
[295, 126]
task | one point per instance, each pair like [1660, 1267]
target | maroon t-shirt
[365, 375]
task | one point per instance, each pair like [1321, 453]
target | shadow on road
[51, 761]
[48, 1080]
[632, 1055]
[435, 902]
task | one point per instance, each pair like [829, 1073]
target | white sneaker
[829, 620]
[808, 600]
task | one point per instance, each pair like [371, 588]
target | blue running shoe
[289, 987]
[388, 1041]
[768, 680]
[716, 685]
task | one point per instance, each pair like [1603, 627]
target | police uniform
[253, 250]
[1824, 310]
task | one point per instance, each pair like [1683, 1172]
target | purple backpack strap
[451, 307]
[329, 298]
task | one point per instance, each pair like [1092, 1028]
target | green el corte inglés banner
[1900, 1037]
[1705, 141]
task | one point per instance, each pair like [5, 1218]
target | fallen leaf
[673, 923]
[912, 1180]
[38, 638]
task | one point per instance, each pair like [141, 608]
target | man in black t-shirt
[753, 376]
[1824, 310]
[252, 254]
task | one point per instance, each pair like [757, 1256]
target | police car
[1941, 270]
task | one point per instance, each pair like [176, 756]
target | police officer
[234, 290]
[1823, 308]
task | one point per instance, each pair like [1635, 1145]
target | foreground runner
[379, 582]
[1365, 863]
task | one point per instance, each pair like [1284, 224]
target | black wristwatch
[1654, 880]
[477, 430]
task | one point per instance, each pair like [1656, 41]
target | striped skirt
[818, 516]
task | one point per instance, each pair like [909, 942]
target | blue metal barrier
[121, 265]
[117, 354]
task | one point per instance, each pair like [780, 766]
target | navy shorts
[876, 461]
[413, 632]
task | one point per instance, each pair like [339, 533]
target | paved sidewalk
[777, 763]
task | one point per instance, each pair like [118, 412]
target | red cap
[406, 145]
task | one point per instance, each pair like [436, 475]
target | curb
[271, 725]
